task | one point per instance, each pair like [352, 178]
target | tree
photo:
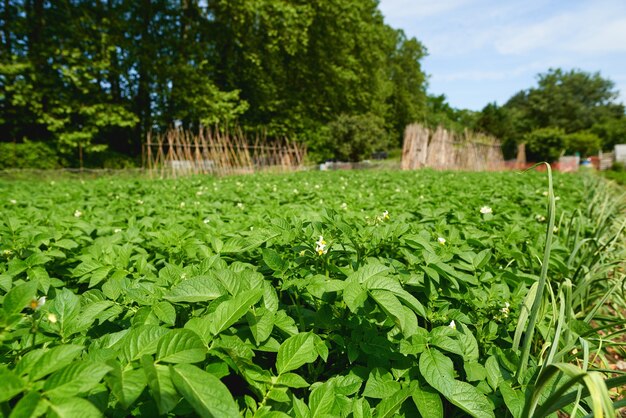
[82, 75]
[573, 101]
[440, 113]
[498, 121]
[407, 102]
[611, 132]
[356, 137]
[584, 143]
[545, 144]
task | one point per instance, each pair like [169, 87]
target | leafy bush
[356, 137]
[545, 144]
[584, 142]
[109, 159]
[28, 155]
[611, 132]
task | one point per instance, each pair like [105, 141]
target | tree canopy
[577, 107]
[81, 74]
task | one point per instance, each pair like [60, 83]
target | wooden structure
[221, 152]
[443, 150]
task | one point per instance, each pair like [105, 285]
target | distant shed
[620, 153]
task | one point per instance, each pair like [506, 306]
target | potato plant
[347, 294]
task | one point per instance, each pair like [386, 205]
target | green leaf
[19, 297]
[72, 408]
[380, 384]
[160, 384]
[470, 400]
[285, 323]
[368, 271]
[391, 306]
[261, 324]
[208, 396]
[165, 312]
[10, 384]
[322, 399]
[126, 385]
[98, 275]
[16, 266]
[196, 289]
[86, 318]
[53, 360]
[361, 408]
[468, 343]
[494, 375]
[66, 244]
[300, 409]
[388, 407]
[273, 260]
[428, 401]
[354, 296]
[296, 351]
[26, 406]
[75, 379]
[515, 399]
[140, 341]
[438, 371]
[229, 312]
[474, 371]
[181, 346]
[85, 267]
[66, 305]
[291, 380]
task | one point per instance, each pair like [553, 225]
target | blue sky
[481, 51]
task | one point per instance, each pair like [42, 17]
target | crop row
[310, 295]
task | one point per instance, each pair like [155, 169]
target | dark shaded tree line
[85, 76]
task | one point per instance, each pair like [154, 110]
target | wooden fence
[444, 150]
[212, 151]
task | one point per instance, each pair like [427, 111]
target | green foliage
[356, 137]
[498, 121]
[576, 102]
[572, 101]
[28, 155]
[320, 294]
[440, 113]
[583, 142]
[87, 76]
[611, 132]
[546, 144]
[617, 173]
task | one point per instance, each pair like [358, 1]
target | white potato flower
[441, 240]
[36, 304]
[485, 210]
[320, 246]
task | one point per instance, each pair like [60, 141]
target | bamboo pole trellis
[443, 150]
[221, 152]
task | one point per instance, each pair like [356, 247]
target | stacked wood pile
[444, 150]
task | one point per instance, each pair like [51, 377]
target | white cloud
[589, 30]
[479, 44]
[497, 74]
[607, 37]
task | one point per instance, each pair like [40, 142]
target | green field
[312, 294]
